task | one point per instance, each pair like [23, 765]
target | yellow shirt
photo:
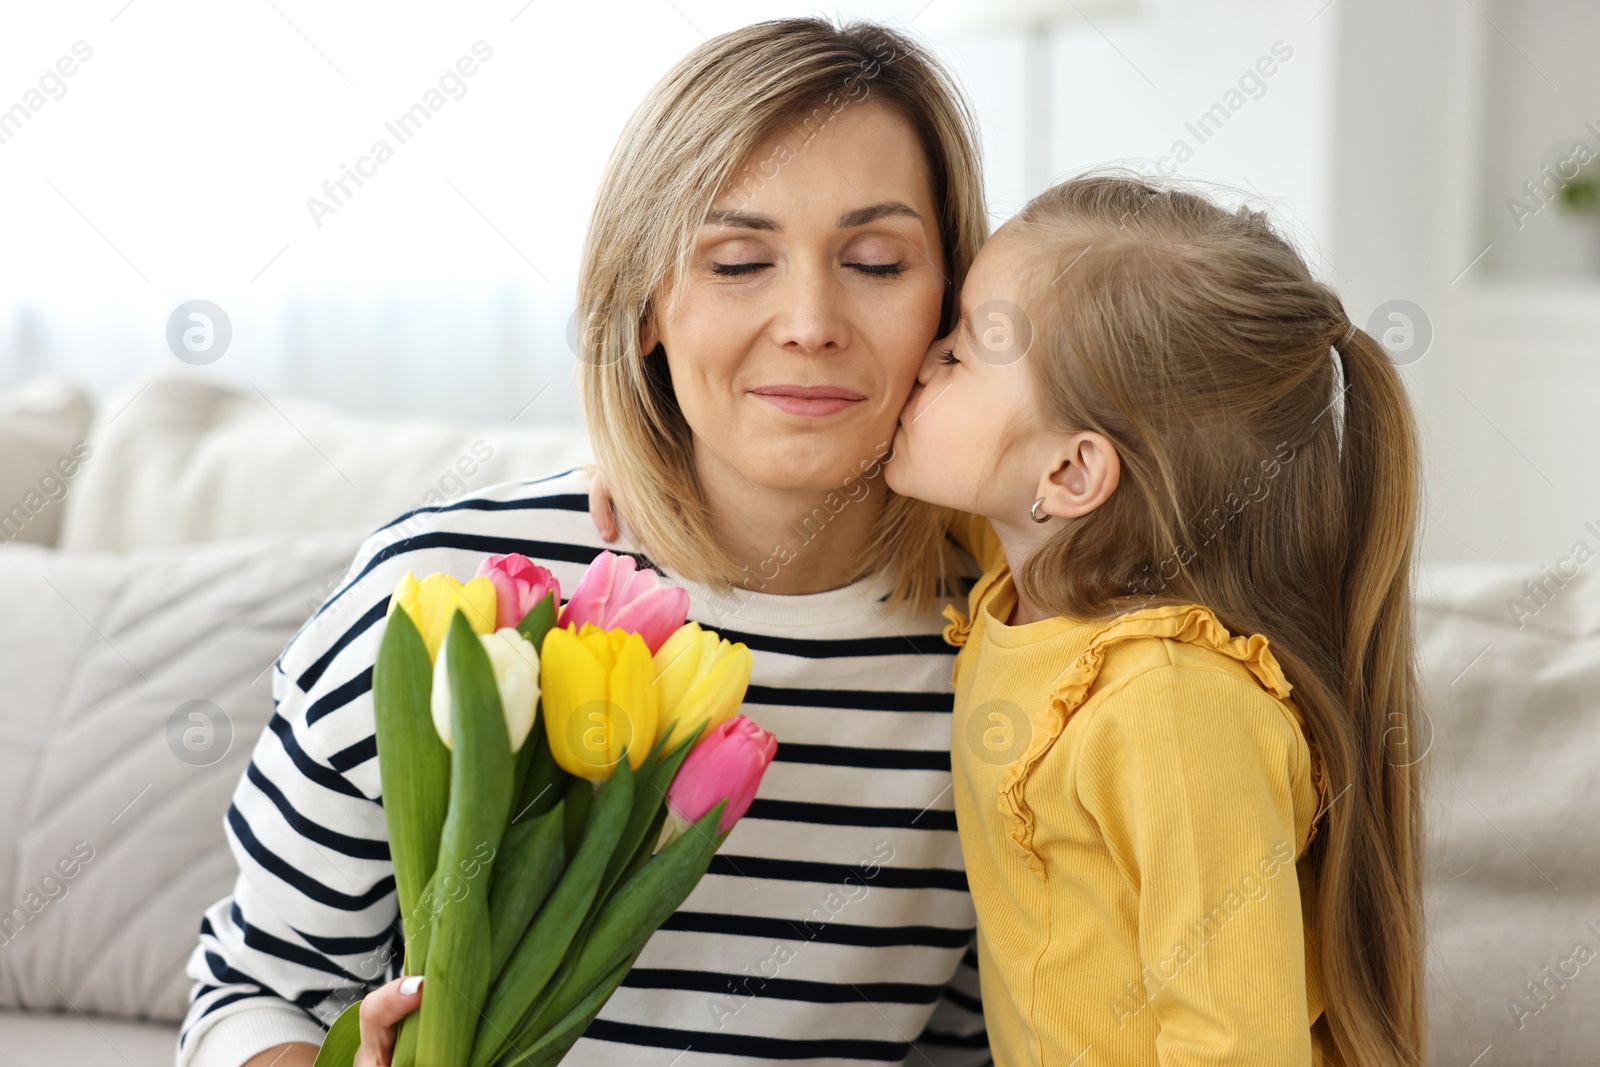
[1132, 797]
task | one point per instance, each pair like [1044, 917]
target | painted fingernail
[409, 987]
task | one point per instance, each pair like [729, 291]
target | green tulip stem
[626, 922]
[546, 941]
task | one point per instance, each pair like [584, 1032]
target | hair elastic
[1341, 382]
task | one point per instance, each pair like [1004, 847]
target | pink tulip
[727, 762]
[519, 585]
[615, 594]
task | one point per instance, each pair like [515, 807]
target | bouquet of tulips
[555, 781]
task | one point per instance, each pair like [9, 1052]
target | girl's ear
[1086, 471]
[649, 336]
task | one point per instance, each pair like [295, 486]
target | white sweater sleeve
[312, 922]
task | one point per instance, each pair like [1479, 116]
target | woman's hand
[381, 1012]
[605, 519]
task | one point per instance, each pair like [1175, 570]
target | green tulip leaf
[481, 775]
[579, 798]
[532, 857]
[544, 783]
[540, 620]
[420, 929]
[632, 915]
[645, 824]
[555, 1043]
[522, 763]
[405, 1041]
[545, 943]
[343, 1041]
[413, 764]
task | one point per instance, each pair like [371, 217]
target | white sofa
[202, 524]
[160, 557]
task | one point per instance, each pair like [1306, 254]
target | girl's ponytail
[1370, 898]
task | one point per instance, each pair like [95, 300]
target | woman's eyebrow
[889, 208]
[742, 219]
[857, 217]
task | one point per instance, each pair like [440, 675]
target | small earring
[1033, 512]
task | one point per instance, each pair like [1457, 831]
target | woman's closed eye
[948, 357]
[734, 270]
[879, 270]
[873, 270]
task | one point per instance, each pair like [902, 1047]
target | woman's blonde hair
[691, 139]
[1269, 465]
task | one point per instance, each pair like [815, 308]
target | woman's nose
[814, 322]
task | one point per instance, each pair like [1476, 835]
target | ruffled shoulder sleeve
[1190, 623]
[977, 536]
[957, 627]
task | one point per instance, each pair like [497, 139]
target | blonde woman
[778, 237]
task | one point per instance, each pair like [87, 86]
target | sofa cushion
[136, 686]
[44, 426]
[83, 1041]
[1512, 773]
[183, 458]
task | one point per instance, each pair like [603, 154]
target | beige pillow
[182, 458]
[43, 429]
[1512, 775]
[135, 688]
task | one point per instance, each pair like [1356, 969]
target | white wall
[1440, 105]
[178, 163]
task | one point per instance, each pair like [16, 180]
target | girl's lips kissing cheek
[808, 399]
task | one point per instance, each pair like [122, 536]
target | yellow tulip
[599, 697]
[432, 603]
[702, 679]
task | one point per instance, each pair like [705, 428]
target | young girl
[1188, 811]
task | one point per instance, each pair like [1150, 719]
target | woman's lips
[813, 400]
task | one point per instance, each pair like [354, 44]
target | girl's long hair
[1269, 463]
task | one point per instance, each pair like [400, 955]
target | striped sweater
[834, 926]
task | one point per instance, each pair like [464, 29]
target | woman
[777, 239]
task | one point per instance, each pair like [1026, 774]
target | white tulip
[515, 663]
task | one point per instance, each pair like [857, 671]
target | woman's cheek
[912, 318]
[922, 427]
